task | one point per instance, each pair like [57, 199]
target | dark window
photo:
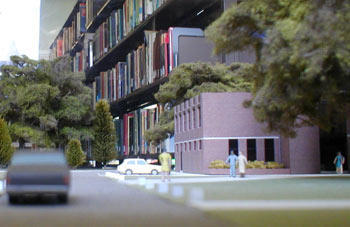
[251, 148]
[194, 118]
[269, 150]
[199, 117]
[233, 146]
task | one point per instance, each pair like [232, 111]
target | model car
[138, 166]
[33, 173]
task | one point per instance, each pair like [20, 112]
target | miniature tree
[105, 135]
[6, 150]
[74, 154]
[302, 59]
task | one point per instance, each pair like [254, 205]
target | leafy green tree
[45, 102]
[103, 146]
[189, 80]
[6, 149]
[303, 58]
[74, 154]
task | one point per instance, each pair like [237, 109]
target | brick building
[208, 126]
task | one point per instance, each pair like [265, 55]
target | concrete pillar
[260, 149]
[278, 156]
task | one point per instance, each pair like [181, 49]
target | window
[233, 146]
[199, 117]
[185, 146]
[176, 128]
[251, 148]
[189, 120]
[190, 146]
[269, 150]
[194, 118]
[200, 145]
[185, 121]
[180, 115]
[195, 145]
[131, 162]
[141, 162]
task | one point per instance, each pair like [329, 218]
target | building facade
[208, 126]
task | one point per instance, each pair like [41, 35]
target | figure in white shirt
[242, 162]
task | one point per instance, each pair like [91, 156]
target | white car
[138, 166]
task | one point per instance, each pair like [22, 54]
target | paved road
[99, 201]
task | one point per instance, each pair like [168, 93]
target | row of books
[121, 22]
[111, 85]
[70, 35]
[79, 62]
[150, 62]
[131, 130]
[92, 8]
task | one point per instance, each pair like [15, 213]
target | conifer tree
[6, 150]
[74, 154]
[104, 133]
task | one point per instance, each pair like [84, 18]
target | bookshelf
[70, 38]
[171, 13]
[104, 44]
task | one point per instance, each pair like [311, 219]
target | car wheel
[128, 172]
[63, 198]
[154, 172]
[13, 199]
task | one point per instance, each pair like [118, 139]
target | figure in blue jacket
[232, 159]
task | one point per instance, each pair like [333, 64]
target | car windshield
[38, 159]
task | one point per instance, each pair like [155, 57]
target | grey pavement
[100, 201]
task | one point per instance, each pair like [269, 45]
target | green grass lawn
[306, 188]
[275, 189]
[284, 218]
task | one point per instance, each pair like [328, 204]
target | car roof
[38, 157]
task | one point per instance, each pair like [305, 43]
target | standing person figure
[165, 161]
[242, 162]
[232, 159]
[339, 161]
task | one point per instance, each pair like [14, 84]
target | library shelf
[139, 98]
[171, 13]
[103, 13]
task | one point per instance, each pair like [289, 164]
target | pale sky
[19, 23]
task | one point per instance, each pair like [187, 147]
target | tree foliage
[44, 101]
[303, 58]
[6, 149]
[189, 80]
[103, 146]
[74, 154]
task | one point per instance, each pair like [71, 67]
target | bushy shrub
[256, 165]
[74, 154]
[274, 165]
[218, 164]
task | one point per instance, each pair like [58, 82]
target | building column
[260, 149]
[278, 151]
